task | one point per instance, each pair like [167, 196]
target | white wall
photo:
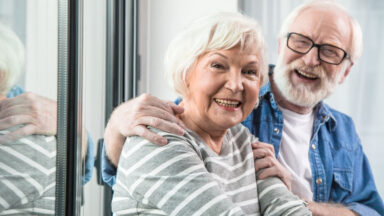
[160, 21]
[41, 48]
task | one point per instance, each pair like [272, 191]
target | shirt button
[276, 130]
[313, 146]
[319, 181]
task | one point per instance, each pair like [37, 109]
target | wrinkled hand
[264, 153]
[132, 117]
[37, 114]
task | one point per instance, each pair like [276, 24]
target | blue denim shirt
[89, 159]
[340, 170]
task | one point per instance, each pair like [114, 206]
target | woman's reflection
[28, 125]
[27, 162]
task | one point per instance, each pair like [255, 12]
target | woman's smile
[231, 105]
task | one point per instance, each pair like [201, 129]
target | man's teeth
[227, 103]
[305, 74]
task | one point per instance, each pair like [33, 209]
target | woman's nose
[235, 81]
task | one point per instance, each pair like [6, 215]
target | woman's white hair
[11, 58]
[221, 31]
[354, 49]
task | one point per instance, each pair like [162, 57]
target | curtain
[361, 95]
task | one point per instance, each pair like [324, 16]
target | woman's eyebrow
[217, 53]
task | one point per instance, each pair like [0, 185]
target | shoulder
[45, 142]
[240, 131]
[15, 91]
[240, 135]
[339, 116]
[341, 121]
[136, 147]
[342, 130]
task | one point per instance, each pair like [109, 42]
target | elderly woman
[27, 165]
[217, 65]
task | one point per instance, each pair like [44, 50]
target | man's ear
[346, 73]
[278, 46]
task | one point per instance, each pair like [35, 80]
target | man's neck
[281, 101]
[2, 96]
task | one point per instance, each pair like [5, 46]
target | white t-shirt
[294, 151]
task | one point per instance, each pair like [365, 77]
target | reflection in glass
[28, 34]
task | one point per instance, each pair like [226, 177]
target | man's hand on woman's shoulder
[132, 118]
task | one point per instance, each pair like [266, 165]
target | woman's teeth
[227, 103]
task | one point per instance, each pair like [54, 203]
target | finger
[149, 135]
[19, 133]
[274, 172]
[263, 163]
[12, 121]
[263, 145]
[149, 100]
[8, 102]
[176, 108]
[268, 172]
[262, 153]
[162, 125]
[163, 115]
[20, 99]
[15, 110]
[158, 108]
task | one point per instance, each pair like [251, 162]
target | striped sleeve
[27, 171]
[171, 179]
[276, 199]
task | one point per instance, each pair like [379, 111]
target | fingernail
[181, 131]
[164, 141]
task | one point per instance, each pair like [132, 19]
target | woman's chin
[228, 122]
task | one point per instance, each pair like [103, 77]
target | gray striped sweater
[186, 177]
[27, 176]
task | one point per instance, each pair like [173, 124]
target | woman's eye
[250, 72]
[217, 65]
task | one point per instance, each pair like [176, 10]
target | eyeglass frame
[318, 46]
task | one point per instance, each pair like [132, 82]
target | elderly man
[318, 45]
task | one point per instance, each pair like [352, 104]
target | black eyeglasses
[326, 52]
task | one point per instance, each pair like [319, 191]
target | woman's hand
[132, 118]
[265, 160]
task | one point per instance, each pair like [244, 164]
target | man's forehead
[323, 25]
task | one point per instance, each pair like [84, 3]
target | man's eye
[330, 53]
[302, 43]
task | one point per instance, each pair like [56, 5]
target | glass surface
[28, 44]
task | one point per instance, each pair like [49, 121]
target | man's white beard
[303, 94]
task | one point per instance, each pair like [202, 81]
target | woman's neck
[2, 96]
[213, 138]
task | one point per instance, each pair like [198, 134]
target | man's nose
[312, 57]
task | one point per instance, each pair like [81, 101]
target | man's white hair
[354, 49]
[223, 30]
[11, 58]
